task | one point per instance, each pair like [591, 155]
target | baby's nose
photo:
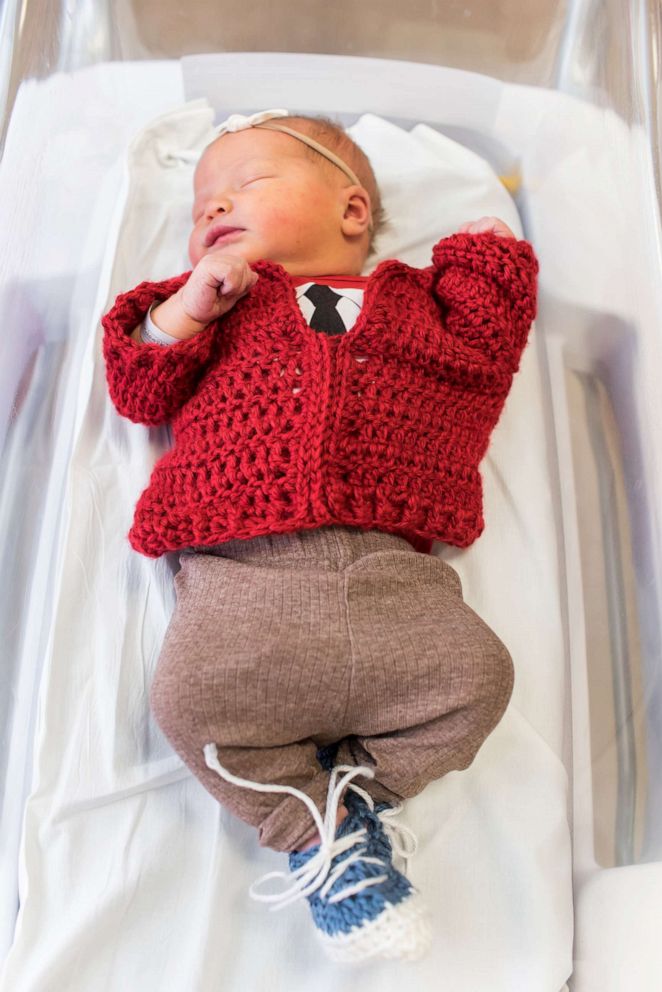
[221, 205]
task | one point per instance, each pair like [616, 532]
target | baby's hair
[334, 137]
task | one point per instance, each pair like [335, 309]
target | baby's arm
[214, 286]
[149, 383]
[486, 283]
[171, 320]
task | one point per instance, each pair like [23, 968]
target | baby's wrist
[171, 318]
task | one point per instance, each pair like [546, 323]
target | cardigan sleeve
[487, 287]
[148, 383]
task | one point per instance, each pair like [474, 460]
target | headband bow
[237, 122]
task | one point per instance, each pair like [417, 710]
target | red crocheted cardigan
[277, 427]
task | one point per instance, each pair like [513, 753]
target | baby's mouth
[218, 233]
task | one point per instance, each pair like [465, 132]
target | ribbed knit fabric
[279, 428]
[282, 645]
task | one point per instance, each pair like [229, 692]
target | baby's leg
[282, 821]
[247, 666]
[432, 680]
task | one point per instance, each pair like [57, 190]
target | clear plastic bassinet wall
[585, 170]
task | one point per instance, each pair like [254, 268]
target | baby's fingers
[477, 226]
[249, 280]
[238, 283]
[483, 224]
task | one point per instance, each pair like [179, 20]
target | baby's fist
[486, 224]
[215, 285]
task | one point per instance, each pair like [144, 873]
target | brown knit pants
[282, 644]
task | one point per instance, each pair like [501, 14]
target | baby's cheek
[277, 216]
[311, 215]
[194, 249]
[319, 211]
[280, 224]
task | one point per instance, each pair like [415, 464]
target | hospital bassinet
[562, 101]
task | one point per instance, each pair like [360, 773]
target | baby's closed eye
[254, 179]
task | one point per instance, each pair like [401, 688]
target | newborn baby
[327, 428]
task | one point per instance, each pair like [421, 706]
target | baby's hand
[215, 285]
[487, 224]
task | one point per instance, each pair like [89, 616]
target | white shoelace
[316, 873]
[397, 833]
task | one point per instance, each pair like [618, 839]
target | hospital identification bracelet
[151, 334]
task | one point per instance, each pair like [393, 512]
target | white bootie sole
[402, 930]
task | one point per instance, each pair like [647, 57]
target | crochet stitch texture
[277, 427]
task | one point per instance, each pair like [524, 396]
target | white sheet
[132, 876]
[60, 176]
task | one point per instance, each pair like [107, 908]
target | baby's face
[277, 203]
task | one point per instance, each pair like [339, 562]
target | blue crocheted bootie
[360, 802]
[362, 906]
[366, 908]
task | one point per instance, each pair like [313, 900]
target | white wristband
[151, 334]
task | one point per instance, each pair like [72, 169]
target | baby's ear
[357, 214]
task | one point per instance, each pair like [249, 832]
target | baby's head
[286, 201]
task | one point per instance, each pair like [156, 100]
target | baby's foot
[365, 908]
[362, 905]
[316, 839]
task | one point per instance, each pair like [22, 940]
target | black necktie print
[325, 316]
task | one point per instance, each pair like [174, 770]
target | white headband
[237, 122]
